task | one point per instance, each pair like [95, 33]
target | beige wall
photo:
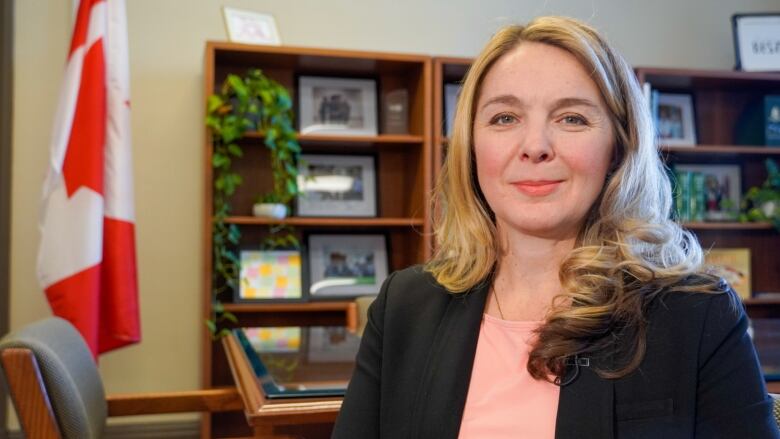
[166, 57]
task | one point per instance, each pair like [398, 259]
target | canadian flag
[86, 260]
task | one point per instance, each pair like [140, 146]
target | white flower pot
[270, 210]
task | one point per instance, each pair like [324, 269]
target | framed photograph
[733, 265]
[713, 192]
[337, 185]
[337, 106]
[346, 265]
[675, 119]
[270, 275]
[250, 27]
[332, 344]
[756, 41]
[451, 93]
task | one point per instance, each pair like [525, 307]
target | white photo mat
[337, 106]
[250, 27]
[756, 38]
[337, 186]
[675, 120]
[344, 265]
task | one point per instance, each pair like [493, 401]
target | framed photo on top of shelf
[674, 118]
[337, 106]
[756, 41]
[733, 265]
[270, 276]
[346, 265]
[337, 185]
[250, 27]
[712, 192]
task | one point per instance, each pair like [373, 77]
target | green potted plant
[763, 203]
[253, 102]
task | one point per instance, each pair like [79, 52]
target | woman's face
[543, 141]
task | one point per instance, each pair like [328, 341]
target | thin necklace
[495, 296]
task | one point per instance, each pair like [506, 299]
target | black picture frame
[347, 280]
[338, 203]
[248, 278]
[764, 50]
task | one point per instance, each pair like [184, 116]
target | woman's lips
[537, 188]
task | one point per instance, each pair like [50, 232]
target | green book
[697, 200]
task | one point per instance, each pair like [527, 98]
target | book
[772, 119]
[733, 265]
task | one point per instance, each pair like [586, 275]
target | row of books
[703, 195]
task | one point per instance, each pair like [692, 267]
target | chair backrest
[64, 365]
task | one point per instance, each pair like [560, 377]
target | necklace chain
[495, 296]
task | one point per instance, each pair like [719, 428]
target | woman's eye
[503, 119]
[574, 120]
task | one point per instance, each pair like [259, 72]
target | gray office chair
[57, 391]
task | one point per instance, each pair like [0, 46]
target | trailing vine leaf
[249, 102]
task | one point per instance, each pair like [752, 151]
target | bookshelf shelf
[727, 226]
[378, 139]
[722, 150]
[329, 222]
[238, 308]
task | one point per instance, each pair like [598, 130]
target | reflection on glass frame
[337, 106]
[332, 344]
[346, 265]
[270, 275]
[674, 119]
[336, 185]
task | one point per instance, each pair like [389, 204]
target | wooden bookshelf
[725, 105]
[446, 70]
[403, 180]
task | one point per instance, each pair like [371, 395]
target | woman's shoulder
[712, 309]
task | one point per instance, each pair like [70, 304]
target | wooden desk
[267, 416]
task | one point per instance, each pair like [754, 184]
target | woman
[561, 302]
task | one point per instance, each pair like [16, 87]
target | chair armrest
[209, 400]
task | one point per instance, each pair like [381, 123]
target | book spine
[697, 197]
[684, 195]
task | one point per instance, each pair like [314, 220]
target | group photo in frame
[333, 185]
[675, 121]
[270, 276]
[345, 265]
[337, 106]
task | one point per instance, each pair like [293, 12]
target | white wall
[166, 56]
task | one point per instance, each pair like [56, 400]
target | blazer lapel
[585, 407]
[442, 397]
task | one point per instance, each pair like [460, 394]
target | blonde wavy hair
[628, 250]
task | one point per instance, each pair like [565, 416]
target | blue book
[772, 119]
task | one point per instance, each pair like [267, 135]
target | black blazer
[699, 378]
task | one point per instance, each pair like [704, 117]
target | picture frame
[674, 118]
[345, 265]
[756, 41]
[270, 276]
[337, 106]
[249, 27]
[333, 185]
[717, 188]
[451, 93]
[733, 265]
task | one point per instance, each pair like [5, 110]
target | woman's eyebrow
[514, 101]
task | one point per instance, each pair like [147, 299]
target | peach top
[503, 400]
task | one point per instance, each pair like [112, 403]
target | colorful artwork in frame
[270, 275]
[274, 339]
